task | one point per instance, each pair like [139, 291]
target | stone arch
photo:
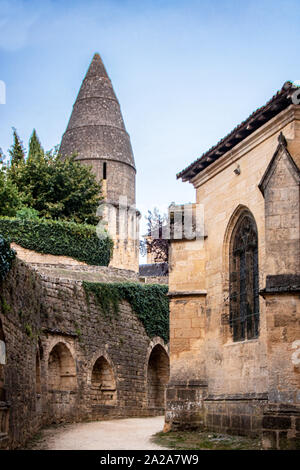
[242, 275]
[158, 371]
[239, 210]
[103, 383]
[61, 369]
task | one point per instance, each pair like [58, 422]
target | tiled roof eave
[278, 103]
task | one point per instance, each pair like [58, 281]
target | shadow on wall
[62, 382]
[61, 369]
[103, 384]
[157, 377]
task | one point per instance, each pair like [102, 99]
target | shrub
[27, 213]
[59, 238]
[6, 258]
[149, 302]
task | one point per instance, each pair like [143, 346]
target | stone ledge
[238, 397]
[191, 293]
[187, 240]
[188, 383]
[282, 408]
[102, 406]
[281, 283]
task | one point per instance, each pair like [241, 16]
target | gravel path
[118, 434]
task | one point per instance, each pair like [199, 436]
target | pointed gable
[280, 188]
[282, 165]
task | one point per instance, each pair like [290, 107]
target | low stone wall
[30, 256]
[190, 407]
[281, 427]
[85, 273]
[155, 273]
[240, 415]
[154, 279]
[66, 360]
[185, 410]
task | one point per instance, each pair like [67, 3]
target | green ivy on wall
[6, 257]
[149, 302]
[59, 238]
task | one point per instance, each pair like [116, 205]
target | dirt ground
[118, 434]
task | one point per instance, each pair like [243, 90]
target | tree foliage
[6, 258]
[27, 213]
[35, 149]
[2, 156]
[56, 188]
[9, 196]
[16, 151]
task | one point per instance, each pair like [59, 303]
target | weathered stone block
[276, 422]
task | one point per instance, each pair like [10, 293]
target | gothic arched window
[243, 279]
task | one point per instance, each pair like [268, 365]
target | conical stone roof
[96, 129]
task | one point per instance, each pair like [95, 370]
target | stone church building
[235, 291]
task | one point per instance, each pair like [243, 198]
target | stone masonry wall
[54, 337]
[20, 318]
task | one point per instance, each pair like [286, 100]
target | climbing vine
[6, 257]
[149, 302]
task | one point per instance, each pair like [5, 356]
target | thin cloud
[16, 20]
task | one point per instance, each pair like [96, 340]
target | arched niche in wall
[103, 383]
[61, 369]
[158, 372]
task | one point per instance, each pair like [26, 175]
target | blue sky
[185, 72]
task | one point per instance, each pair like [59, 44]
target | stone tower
[96, 133]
